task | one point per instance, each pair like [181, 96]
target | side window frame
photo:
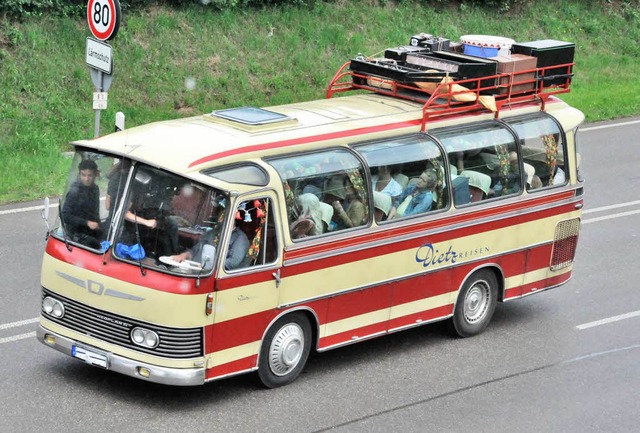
[548, 168]
[324, 174]
[483, 165]
[384, 159]
[260, 229]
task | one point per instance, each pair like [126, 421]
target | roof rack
[448, 96]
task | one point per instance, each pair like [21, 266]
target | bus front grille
[175, 343]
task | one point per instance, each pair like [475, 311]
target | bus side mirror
[45, 214]
[208, 256]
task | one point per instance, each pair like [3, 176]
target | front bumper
[126, 366]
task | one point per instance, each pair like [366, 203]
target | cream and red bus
[244, 239]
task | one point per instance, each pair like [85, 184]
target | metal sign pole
[96, 129]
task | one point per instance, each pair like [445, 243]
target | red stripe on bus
[353, 334]
[422, 316]
[129, 272]
[443, 222]
[307, 139]
[232, 367]
[249, 328]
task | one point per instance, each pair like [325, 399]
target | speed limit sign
[103, 17]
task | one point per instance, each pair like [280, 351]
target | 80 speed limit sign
[104, 18]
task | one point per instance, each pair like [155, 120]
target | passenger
[383, 182]
[559, 177]
[415, 199]
[513, 183]
[81, 208]
[351, 212]
[327, 214]
[309, 223]
[149, 215]
[381, 206]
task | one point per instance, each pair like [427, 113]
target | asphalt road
[566, 360]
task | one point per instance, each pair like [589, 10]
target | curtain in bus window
[542, 150]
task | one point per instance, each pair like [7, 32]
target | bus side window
[407, 176]
[324, 192]
[486, 157]
[542, 150]
[253, 239]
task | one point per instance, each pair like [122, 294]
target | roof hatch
[251, 118]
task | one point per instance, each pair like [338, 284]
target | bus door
[248, 277]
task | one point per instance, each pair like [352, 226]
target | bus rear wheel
[476, 303]
[285, 350]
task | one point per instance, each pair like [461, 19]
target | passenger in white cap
[382, 205]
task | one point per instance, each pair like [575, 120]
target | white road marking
[26, 209]
[608, 217]
[609, 320]
[613, 206]
[19, 323]
[17, 337]
[612, 125]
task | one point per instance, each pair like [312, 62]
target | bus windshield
[148, 216]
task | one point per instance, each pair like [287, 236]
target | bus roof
[195, 143]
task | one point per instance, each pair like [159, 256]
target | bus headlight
[52, 307]
[145, 338]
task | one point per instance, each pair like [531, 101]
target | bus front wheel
[285, 350]
[476, 303]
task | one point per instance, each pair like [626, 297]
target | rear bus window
[542, 151]
[483, 160]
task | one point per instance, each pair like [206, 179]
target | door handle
[276, 275]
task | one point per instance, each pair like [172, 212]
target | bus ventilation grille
[565, 243]
[174, 342]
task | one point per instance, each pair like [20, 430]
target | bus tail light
[565, 243]
[209, 308]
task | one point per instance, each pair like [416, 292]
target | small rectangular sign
[99, 55]
[100, 100]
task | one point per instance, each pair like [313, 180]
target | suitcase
[549, 52]
[457, 66]
[514, 64]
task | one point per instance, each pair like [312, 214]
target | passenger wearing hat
[309, 223]
[382, 205]
[81, 207]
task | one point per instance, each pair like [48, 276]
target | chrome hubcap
[476, 302]
[286, 349]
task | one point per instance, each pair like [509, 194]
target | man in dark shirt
[81, 208]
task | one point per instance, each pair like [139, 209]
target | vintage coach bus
[192, 250]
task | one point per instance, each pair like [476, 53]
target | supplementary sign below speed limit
[103, 17]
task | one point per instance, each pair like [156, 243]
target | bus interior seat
[461, 193]
[401, 179]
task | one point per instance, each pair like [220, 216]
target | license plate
[91, 357]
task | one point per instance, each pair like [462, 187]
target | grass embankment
[174, 63]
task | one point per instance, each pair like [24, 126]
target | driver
[236, 253]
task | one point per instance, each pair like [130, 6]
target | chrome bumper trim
[129, 367]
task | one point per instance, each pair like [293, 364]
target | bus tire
[285, 350]
[476, 303]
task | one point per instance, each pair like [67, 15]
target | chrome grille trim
[175, 343]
